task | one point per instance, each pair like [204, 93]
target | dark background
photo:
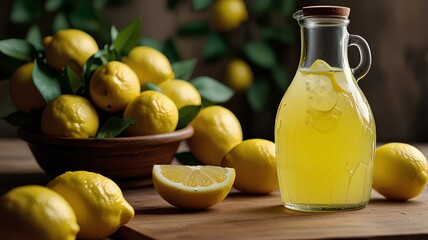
[395, 87]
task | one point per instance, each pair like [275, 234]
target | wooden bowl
[126, 160]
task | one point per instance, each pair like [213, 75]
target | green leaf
[128, 37]
[34, 37]
[187, 158]
[258, 94]
[18, 49]
[113, 33]
[66, 87]
[212, 90]
[26, 120]
[281, 77]
[283, 34]
[113, 127]
[260, 54]
[73, 79]
[216, 46]
[24, 11]
[170, 50]
[186, 114]
[47, 81]
[193, 28]
[207, 103]
[19, 119]
[60, 22]
[53, 5]
[184, 69]
[151, 86]
[93, 63]
[151, 43]
[199, 5]
[8, 66]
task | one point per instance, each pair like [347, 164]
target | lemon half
[192, 187]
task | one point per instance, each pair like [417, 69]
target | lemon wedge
[192, 187]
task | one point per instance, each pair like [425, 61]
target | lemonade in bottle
[325, 132]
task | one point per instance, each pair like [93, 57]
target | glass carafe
[324, 131]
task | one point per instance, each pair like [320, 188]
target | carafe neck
[324, 38]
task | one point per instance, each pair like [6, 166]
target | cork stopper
[327, 11]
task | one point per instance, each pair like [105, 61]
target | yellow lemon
[400, 171]
[255, 165]
[192, 187]
[70, 116]
[181, 92]
[37, 213]
[70, 47]
[154, 112]
[228, 14]
[97, 201]
[150, 65]
[216, 132]
[24, 94]
[113, 86]
[239, 75]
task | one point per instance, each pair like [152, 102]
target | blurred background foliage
[261, 41]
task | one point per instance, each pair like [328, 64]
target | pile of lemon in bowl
[112, 87]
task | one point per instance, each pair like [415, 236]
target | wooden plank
[242, 216]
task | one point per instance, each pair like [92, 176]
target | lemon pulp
[192, 187]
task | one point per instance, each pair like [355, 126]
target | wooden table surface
[239, 216]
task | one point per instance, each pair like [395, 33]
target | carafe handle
[365, 56]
